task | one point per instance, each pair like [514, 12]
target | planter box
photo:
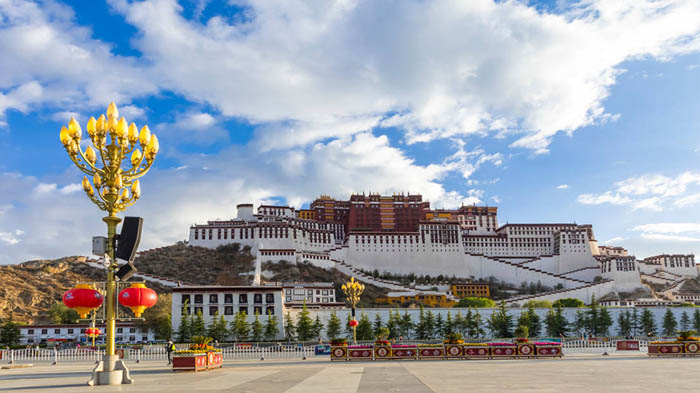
[215, 360]
[454, 351]
[627, 345]
[431, 352]
[190, 362]
[526, 350]
[670, 350]
[476, 351]
[692, 348]
[339, 352]
[363, 353]
[382, 352]
[504, 351]
[407, 352]
[548, 351]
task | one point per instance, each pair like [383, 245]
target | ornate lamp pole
[115, 189]
[353, 289]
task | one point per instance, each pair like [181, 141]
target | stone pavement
[574, 374]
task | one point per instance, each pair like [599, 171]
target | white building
[214, 301]
[464, 243]
[126, 333]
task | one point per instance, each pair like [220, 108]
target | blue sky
[587, 112]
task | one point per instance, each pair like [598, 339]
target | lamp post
[115, 189]
[353, 289]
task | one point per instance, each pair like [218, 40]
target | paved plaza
[575, 373]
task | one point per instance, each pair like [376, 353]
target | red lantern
[353, 323]
[138, 298]
[83, 299]
[93, 332]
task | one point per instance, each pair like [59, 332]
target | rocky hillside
[226, 265]
[29, 289]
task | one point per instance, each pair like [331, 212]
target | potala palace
[402, 234]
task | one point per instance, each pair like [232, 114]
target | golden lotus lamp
[353, 290]
[116, 155]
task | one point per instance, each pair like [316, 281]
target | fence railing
[88, 355]
[276, 351]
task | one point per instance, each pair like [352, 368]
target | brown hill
[29, 289]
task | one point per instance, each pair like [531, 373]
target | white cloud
[11, 238]
[362, 162]
[614, 240]
[649, 191]
[672, 238]
[47, 59]
[309, 71]
[562, 187]
[669, 227]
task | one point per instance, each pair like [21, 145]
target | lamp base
[110, 371]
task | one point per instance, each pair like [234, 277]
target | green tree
[60, 314]
[535, 323]
[198, 326]
[421, 330]
[476, 324]
[164, 329]
[378, 325]
[9, 332]
[304, 325]
[580, 324]
[459, 324]
[696, 320]
[317, 328]
[240, 328]
[439, 325]
[290, 329]
[479, 302]
[333, 327]
[648, 325]
[538, 304]
[364, 328]
[624, 323]
[500, 323]
[448, 327]
[669, 324]
[218, 329]
[593, 318]
[569, 302]
[429, 325]
[556, 323]
[604, 322]
[635, 322]
[685, 321]
[184, 331]
[257, 329]
[393, 324]
[406, 325]
[271, 328]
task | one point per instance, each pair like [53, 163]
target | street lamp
[115, 189]
[353, 289]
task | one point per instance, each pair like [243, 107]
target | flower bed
[436, 351]
[360, 352]
[404, 351]
[476, 351]
[382, 351]
[674, 348]
[503, 350]
[190, 362]
[548, 350]
[455, 351]
[339, 352]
